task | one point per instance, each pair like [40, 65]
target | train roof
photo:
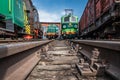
[69, 16]
[74, 20]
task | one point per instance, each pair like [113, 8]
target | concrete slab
[63, 52]
[53, 67]
[65, 60]
[60, 48]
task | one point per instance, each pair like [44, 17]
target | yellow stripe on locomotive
[27, 26]
[27, 29]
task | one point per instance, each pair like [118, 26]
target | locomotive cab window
[66, 19]
[73, 19]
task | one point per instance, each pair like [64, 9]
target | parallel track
[55, 60]
[56, 64]
[59, 63]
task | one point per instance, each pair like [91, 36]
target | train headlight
[75, 26]
[64, 26]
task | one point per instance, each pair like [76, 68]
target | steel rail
[109, 52]
[18, 59]
[114, 45]
[10, 49]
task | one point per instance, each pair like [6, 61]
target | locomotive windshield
[73, 19]
[66, 19]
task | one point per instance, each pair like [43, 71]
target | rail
[108, 52]
[18, 59]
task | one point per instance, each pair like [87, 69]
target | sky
[52, 10]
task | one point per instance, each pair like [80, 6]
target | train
[19, 19]
[100, 20]
[52, 31]
[69, 25]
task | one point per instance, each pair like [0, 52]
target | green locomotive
[52, 31]
[13, 12]
[14, 21]
[18, 18]
[69, 25]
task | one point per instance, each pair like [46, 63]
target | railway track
[59, 63]
[56, 64]
[59, 60]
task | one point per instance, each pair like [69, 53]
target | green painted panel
[52, 28]
[13, 9]
[18, 13]
[70, 19]
[70, 27]
[6, 7]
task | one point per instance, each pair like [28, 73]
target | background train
[19, 18]
[69, 25]
[100, 19]
[52, 31]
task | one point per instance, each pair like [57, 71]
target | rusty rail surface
[18, 59]
[108, 53]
